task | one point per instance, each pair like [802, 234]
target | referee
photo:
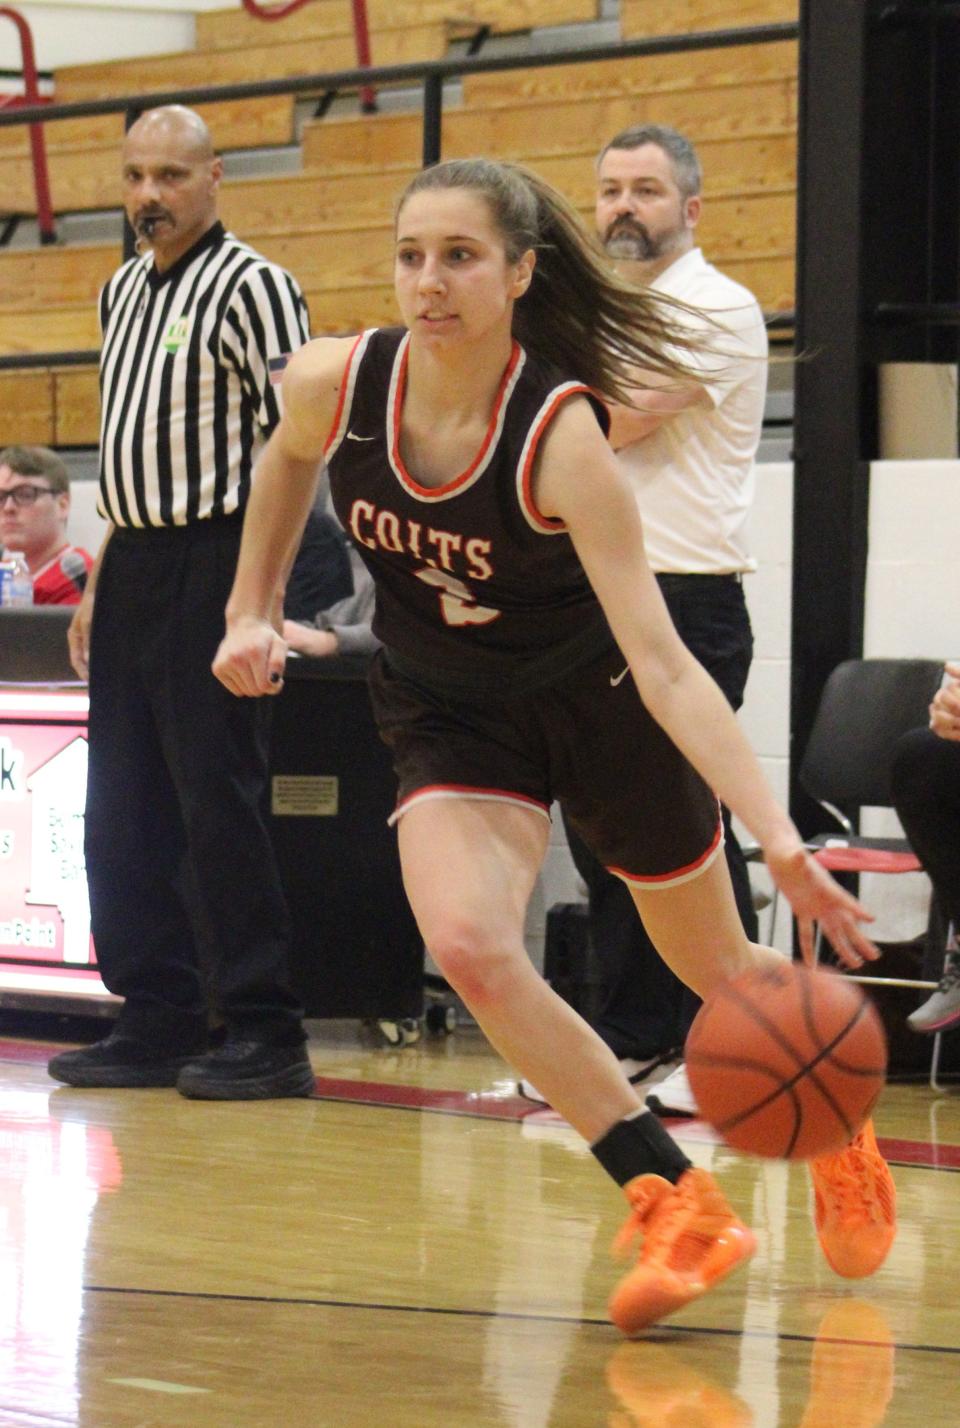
[185, 899]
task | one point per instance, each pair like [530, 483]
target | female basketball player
[529, 657]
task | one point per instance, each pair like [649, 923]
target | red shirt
[61, 580]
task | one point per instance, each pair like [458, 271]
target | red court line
[515, 1108]
[491, 1105]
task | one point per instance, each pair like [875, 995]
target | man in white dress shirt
[689, 454]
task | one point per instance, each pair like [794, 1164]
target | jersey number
[458, 604]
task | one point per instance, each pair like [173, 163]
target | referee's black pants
[180, 868]
[642, 1008]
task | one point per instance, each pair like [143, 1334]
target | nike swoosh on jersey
[352, 436]
[616, 679]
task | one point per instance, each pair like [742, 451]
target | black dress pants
[180, 868]
[644, 1010]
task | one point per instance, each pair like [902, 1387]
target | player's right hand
[251, 658]
[78, 636]
[945, 709]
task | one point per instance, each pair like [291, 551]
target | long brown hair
[577, 313]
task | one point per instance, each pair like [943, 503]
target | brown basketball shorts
[586, 741]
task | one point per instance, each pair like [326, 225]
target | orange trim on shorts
[465, 790]
[655, 881]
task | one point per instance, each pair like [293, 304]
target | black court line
[693, 1330]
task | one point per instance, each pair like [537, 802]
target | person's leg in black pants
[133, 832]
[925, 777]
[180, 867]
[644, 1010]
[216, 748]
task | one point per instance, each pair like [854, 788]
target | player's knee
[474, 963]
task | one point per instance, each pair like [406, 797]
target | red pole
[361, 30]
[31, 85]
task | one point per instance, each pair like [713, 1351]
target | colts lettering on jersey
[446, 557]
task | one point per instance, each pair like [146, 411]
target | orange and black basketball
[787, 1062]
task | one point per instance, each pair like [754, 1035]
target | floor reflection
[51, 1174]
[340, 1265]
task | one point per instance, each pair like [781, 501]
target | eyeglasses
[25, 495]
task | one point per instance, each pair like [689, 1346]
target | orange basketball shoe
[855, 1206]
[691, 1240]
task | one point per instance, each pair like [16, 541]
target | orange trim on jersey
[344, 389]
[546, 523]
[678, 875]
[448, 487]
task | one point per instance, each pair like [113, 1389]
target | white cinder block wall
[912, 605]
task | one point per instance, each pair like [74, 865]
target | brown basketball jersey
[474, 585]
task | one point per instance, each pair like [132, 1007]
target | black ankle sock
[640, 1146]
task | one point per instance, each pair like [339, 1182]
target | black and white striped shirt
[185, 389]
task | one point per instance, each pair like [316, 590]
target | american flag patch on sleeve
[275, 367]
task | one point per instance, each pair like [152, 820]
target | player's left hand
[816, 897]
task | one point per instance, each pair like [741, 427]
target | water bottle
[17, 587]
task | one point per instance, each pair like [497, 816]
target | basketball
[787, 1062]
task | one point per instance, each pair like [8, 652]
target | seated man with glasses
[34, 506]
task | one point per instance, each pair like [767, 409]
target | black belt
[668, 577]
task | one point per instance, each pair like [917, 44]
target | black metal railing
[431, 75]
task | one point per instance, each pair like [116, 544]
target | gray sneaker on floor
[635, 1072]
[941, 1010]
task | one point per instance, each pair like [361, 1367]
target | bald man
[186, 905]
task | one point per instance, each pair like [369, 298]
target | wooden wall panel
[50, 329]
[26, 400]
[680, 17]
[517, 131]
[77, 395]
[227, 29]
[235, 124]
[316, 200]
[38, 278]
[164, 72]
[741, 67]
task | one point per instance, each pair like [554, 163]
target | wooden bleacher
[331, 224]
[233, 29]
[684, 17]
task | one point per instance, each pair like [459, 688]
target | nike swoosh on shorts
[352, 436]
[616, 679]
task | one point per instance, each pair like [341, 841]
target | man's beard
[629, 240]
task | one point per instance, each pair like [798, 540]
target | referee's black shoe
[248, 1070]
[121, 1061]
